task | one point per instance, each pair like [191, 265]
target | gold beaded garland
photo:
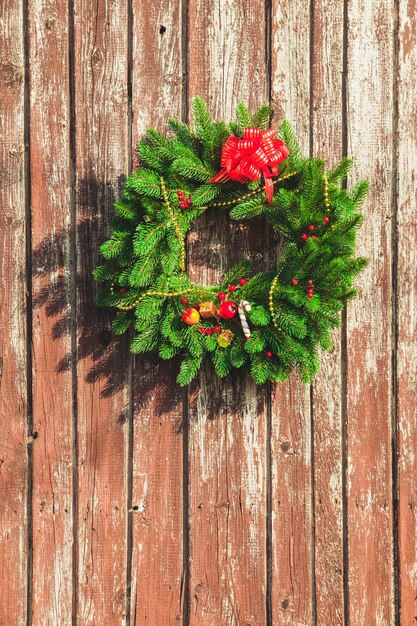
[271, 302]
[252, 193]
[175, 224]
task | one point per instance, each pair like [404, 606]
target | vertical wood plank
[327, 138]
[51, 323]
[292, 572]
[13, 381]
[102, 160]
[157, 495]
[227, 419]
[407, 310]
[369, 480]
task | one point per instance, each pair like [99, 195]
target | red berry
[268, 354]
[267, 271]
[326, 220]
[202, 330]
[221, 296]
[311, 227]
[188, 201]
[179, 193]
[242, 281]
[304, 236]
[122, 289]
[183, 205]
[209, 331]
[197, 306]
[310, 282]
[232, 287]
[294, 281]
[216, 329]
[310, 294]
[184, 300]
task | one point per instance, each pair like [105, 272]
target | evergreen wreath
[268, 321]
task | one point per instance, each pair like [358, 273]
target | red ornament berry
[304, 236]
[294, 281]
[202, 330]
[216, 329]
[326, 219]
[242, 281]
[122, 289]
[183, 205]
[310, 294]
[188, 201]
[311, 227]
[267, 270]
[227, 310]
[268, 354]
[209, 331]
[184, 300]
[179, 193]
[232, 288]
[221, 296]
[310, 282]
[197, 306]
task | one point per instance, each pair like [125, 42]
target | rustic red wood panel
[51, 324]
[291, 444]
[13, 363]
[157, 530]
[407, 311]
[369, 341]
[327, 138]
[224, 525]
[102, 160]
[227, 419]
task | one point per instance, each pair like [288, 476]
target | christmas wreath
[268, 321]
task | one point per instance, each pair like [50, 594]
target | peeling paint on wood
[327, 139]
[158, 578]
[50, 177]
[13, 381]
[407, 312]
[102, 160]
[369, 341]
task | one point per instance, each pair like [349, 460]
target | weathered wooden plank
[227, 419]
[102, 159]
[407, 310]
[369, 480]
[292, 575]
[327, 137]
[13, 365]
[51, 328]
[157, 496]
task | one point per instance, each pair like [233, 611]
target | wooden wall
[125, 500]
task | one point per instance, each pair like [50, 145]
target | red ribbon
[248, 158]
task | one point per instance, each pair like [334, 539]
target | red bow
[248, 158]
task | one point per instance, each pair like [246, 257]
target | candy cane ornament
[244, 306]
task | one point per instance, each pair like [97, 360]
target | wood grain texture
[291, 438]
[407, 310]
[51, 323]
[327, 138]
[157, 494]
[227, 419]
[102, 160]
[369, 480]
[13, 364]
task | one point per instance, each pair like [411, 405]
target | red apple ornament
[191, 316]
[227, 310]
